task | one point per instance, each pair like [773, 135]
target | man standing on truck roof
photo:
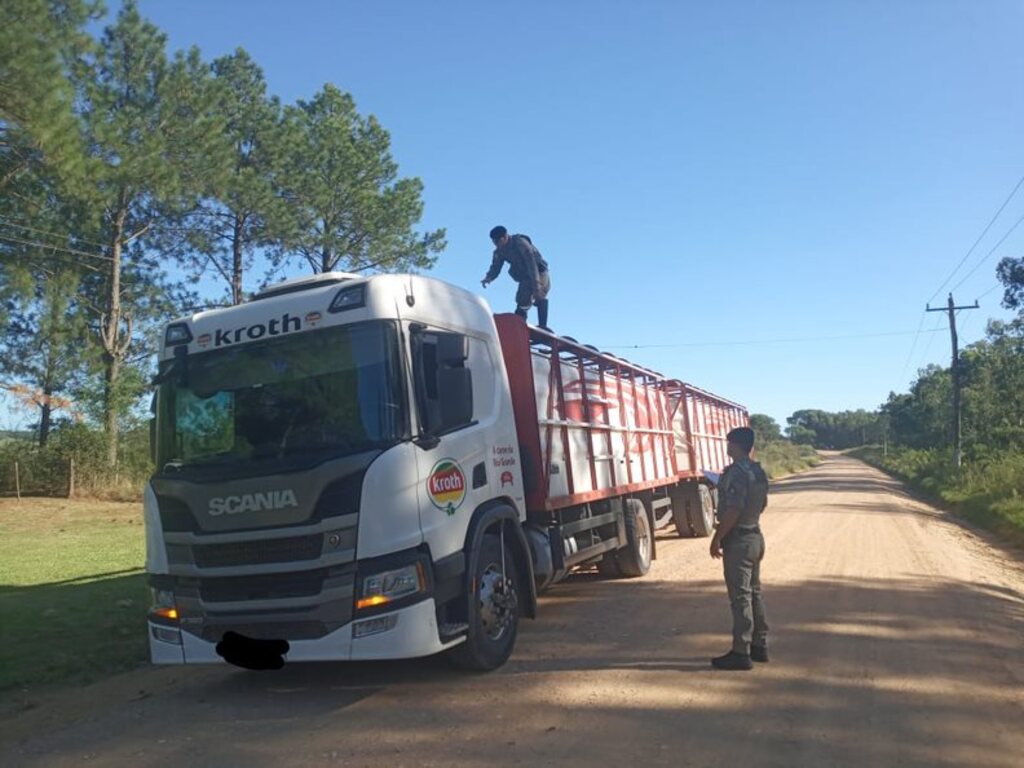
[742, 497]
[527, 267]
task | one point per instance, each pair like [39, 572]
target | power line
[764, 341]
[13, 223]
[913, 346]
[986, 293]
[74, 252]
[980, 237]
[985, 258]
[931, 337]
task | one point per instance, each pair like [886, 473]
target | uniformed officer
[742, 496]
[527, 267]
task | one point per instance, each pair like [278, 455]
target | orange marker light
[166, 613]
[370, 602]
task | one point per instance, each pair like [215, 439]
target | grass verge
[73, 596]
[784, 458]
[988, 491]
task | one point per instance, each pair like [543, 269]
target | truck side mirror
[443, 384]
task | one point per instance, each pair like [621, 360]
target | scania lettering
[232, 505]
[377, 467]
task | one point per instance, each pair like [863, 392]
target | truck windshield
[318, 394]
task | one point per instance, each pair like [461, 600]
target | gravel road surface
[898, 639]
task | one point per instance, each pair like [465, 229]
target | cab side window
[443, 381]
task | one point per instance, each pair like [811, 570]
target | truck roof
[306, 303]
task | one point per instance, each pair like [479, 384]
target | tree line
[119, 158]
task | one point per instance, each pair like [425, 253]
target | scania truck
[354, 467]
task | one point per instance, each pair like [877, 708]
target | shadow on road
[863, 672]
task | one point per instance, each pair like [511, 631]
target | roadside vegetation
[987, 491]
[73, 597]
[777, 455]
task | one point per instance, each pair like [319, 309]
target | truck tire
[693, 509]
[493, 612]
[701, 513]
[608, 566]
[635, 558]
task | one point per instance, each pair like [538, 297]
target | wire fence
[63, 471]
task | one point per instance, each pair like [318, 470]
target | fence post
[71, 477]
[17, 481]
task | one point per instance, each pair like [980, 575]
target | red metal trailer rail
[594, 426]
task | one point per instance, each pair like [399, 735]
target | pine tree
[148, 128]
[348, 208]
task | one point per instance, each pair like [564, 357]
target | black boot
[759, 653]
[542, 314]
[732, 661]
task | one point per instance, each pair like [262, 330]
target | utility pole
[951, 308]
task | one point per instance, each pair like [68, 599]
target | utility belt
[740, 530]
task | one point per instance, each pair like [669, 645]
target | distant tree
[43, 345]
[1010, 272]
[993, 390]
[765, 428]
[801, 434]
[348, 208]
[921, 418]
[843, 429]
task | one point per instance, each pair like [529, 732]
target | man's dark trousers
[742, 552]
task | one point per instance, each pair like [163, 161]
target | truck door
[454, 389]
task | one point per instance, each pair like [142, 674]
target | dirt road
[898, 639]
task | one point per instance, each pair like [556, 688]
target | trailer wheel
[635, 558]
[608, 566]
[701, 512]
[494, 610]
[693, 509]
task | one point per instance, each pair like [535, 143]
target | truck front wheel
[493, 611]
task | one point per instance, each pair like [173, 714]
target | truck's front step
[452, 631]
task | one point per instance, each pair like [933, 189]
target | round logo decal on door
[446, 486]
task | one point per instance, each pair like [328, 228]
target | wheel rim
[707, 509]
[643, 544]
[497, 602]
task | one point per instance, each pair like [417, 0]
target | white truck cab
[321, 453]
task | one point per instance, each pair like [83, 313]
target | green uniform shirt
[744, 487]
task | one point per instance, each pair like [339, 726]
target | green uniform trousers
[742, 552]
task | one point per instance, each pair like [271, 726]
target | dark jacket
[524, 261]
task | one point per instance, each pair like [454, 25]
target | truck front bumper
[410, 632]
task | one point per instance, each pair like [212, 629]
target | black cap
[743, 437]
[497, 233]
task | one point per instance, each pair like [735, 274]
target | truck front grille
[274, 586]
[257, 552]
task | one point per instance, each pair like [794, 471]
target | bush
[46, 471]
[784, 458]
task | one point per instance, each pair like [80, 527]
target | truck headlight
[163, 605]
[388, 586]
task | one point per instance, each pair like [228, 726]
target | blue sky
[695, 173]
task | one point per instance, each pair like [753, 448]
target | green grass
[988, 490]
[73, 597]
[784, 458]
